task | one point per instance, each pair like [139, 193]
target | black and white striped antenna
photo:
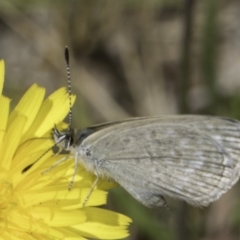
[69, 86]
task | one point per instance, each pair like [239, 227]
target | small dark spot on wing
[153, 134]
[126, 140]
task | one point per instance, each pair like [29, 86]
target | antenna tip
[67, 55]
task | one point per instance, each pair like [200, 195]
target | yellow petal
[60, 196]
[23, 159]
[4, 110]
[101, 231]
[70, 235]
[11, 141]
[2, 73]
[103, 224]
[29, 105]
[55, 217]
[52, 111]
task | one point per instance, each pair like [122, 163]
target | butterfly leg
[55, 165]
[75, 172]
[91, 190]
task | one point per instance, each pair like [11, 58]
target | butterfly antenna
[69, 86]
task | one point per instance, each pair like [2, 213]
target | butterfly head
[64, 139]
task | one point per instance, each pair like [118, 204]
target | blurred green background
[134, 58]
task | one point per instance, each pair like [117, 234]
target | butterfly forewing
[194, 158]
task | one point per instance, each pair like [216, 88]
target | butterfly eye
[68, 140]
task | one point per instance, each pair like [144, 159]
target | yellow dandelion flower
[36, 206]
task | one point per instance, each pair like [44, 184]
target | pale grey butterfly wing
[194, 158]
